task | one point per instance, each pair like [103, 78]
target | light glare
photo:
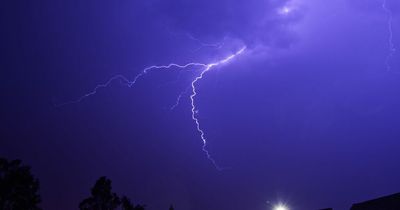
[281, 207]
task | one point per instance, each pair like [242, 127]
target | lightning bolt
[128, 82]
[392, 48]
[194, 109]
[178, 99]
[193, 86]
[202, 44]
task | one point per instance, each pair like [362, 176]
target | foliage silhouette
[18, 187]
[19, 191]
[103, 198]
[127, 205]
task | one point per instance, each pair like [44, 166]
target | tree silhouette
[102, 198]
[18, 187]
[127, 205]
[171, 207]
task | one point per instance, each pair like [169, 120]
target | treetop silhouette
[102, 198]
[18, 187]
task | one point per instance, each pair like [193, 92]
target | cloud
[375, 6]
[254, 22]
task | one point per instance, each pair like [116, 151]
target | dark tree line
[19, 190]
[103, 198]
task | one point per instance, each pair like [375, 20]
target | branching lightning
[202, 44]
[178, 99]
[392, 48]
[193, 86]
[194, 109]
[128, 82]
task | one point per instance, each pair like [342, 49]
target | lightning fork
[195, 110]
[205, 68]
[392, 48]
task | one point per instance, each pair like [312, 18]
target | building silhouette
[390, 202]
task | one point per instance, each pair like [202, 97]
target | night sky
[308, 115]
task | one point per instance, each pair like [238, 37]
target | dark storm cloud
[315, 125]
[253, 22]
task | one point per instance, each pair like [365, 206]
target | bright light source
[285, 10]
[281, 207]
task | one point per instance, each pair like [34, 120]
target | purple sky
[309, 115]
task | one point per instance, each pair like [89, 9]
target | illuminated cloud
[254, 22]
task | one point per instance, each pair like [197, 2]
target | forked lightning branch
[205, 67]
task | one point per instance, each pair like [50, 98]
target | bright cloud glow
[285, 10]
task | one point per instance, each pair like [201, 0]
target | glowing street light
[281, 207]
